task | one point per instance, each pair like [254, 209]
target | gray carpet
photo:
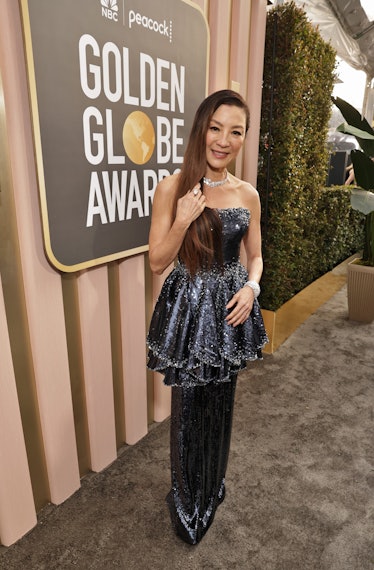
[300, 484]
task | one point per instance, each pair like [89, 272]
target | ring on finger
[195, 192]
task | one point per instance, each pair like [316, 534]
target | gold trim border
[282, 323]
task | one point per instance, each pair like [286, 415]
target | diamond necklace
[213, 183]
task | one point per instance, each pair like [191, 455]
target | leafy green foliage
[356, 121]
[293, 159]
[340, 231]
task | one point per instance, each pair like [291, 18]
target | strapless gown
[189, 339]
[200, 355]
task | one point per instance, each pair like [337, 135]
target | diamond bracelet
[254, 286]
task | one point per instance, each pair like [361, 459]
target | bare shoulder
[249, 190]
[164, 197]
[168, 184]
[248, 193]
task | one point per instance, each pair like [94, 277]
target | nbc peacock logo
[109, 9]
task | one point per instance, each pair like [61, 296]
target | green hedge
[339, 234]
[305, 227]
[340, 228]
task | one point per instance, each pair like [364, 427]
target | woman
[207, 322]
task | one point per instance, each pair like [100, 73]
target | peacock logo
[109, 9]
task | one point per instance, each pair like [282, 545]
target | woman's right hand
[190, 206]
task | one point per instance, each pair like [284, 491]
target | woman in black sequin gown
[207, 322]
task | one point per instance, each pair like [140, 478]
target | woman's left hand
[241, 305]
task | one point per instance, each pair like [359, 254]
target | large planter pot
[360, 287]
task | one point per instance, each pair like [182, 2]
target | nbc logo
[109, 9]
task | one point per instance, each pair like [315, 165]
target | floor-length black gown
[200, 355]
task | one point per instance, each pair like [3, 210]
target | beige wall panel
[149, 304]
[133, 326]
[240, 25]
[17, 509]
[162, 393]
[117, 364]
[42, 284]
[13, 292]
[220, 28]
[255, 72]
[78, 392]
[93, 298]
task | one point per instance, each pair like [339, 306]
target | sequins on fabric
[189, 339]
[201, 422]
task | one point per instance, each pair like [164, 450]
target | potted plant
[360, 278]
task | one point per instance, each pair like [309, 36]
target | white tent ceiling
[346, 25]
[350, 30]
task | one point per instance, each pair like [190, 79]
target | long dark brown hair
[202, 244]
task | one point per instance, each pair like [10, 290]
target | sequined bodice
[235, 222]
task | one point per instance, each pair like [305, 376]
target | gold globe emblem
[138, 137]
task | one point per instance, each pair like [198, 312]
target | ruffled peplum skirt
[200, 355]
[189, 339]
